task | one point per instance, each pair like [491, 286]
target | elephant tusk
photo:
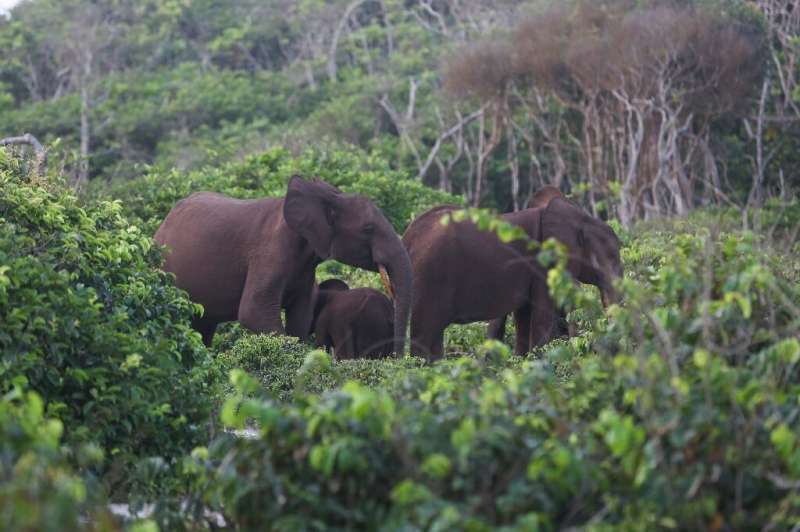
[387, 285]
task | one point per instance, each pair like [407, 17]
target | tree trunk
[86, 132]
[337, 35]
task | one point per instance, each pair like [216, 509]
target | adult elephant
[496, 328]
[246, 260]
[468, 275]
[355, 322]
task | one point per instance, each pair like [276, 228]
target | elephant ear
[308, 210]
[334, 284]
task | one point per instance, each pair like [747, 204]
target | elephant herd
[248, 260]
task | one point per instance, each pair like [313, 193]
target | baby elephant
[356, 323]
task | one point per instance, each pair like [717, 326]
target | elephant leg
[300, 306]
[543, 322]
[322, 336]
[522, 326]
[428, 340]
[497, 329]
[375, 347]
[345, 346]
[206, 328]
[298, 319]
[427, 330]
[260, 306]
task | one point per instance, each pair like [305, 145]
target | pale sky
[7, 4]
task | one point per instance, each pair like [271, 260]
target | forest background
[639, 109]
[678, 121]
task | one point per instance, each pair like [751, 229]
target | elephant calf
[354, 322]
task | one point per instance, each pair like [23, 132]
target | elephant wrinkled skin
[246, 260]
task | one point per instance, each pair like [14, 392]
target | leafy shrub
[39, 488]
[462, 340]
[677, 410]
[283, 365]
[89, 323]
[372, 373]
[274, 360]
[148, 200]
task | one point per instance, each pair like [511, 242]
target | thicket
[89, 323]
[40, 487]
[147, 200]
[285, 366]
[676, 409]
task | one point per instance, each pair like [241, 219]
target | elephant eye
[369, 229]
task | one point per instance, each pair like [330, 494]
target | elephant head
[543, 196]
[334, 284]
[321, 293]
[594, 256]
[352, 230]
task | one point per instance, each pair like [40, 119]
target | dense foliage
[146, 201]
[39, 488]
[92, 326]
[488, 99]
[284, 366]
[677, 411]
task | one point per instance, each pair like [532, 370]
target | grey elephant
[469, 275]
[496, 328]
[247, 260]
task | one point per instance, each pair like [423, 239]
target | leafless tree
[640, 86]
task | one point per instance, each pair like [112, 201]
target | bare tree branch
[446, 135]
[348, 12]
[29, 140]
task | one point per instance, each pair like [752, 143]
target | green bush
[462, 340]
[39, 489]
[147, 200]
[676, 410]
[89, 322]
[283, 365]
[274, 360]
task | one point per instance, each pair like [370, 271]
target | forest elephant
[356, 322]
[246, 260]
[469, 275]
[496, 328]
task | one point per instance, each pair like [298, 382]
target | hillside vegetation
[640, 108]
[676, 121]
[675, 410]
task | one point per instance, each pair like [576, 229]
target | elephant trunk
[398, 268]
[608, 294]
